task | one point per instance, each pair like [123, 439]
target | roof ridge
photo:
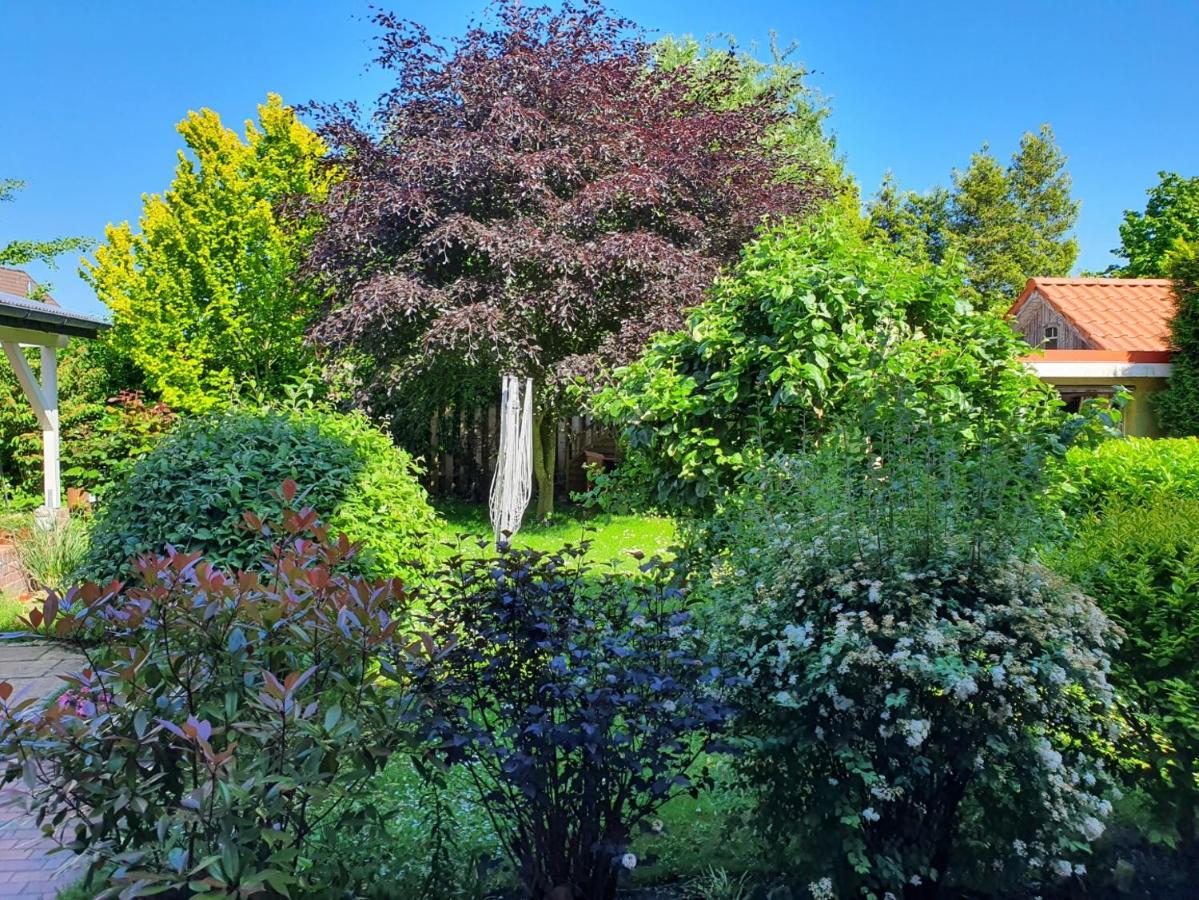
[1100, 280]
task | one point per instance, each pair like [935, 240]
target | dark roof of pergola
[18, 312]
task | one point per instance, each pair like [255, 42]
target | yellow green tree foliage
[204, 300]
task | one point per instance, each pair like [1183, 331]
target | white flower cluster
[890, 674]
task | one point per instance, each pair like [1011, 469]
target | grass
[389, 854]
[611, 536]
[12, 608]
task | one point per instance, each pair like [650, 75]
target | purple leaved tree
[536, 198]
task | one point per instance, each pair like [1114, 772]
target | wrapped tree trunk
[545, 459]
[510, 486]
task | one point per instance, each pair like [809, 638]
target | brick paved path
[26, 869]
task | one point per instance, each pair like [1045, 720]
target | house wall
[1140, 420]
[1036, 314]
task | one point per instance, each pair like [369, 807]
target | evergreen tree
[1007, 223]
[204, 299]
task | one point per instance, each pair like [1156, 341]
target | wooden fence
[463, 444]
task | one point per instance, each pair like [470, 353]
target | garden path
[27, 869]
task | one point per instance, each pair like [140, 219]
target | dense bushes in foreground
[241, 716]
[190, 491]
[924, 707]
[236, 715]
[1129, 471]
[1142, 563]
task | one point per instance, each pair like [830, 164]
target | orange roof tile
[1111, 313]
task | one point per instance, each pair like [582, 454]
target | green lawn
[12, 608]
[611, 536]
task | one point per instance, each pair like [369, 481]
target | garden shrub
[922, 706]
[578, 703]
[1142, 564]
[815, 321]
[191, 490]
[1130, 471]
[220, 720]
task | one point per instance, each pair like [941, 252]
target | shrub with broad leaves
[1141, 562]
[578, 702]
[222, 718]
[190, 491]
[922, 707]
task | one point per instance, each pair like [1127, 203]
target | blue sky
[92, 91]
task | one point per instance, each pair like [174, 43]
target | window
[1050, 342]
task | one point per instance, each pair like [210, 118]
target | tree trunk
[545, 459]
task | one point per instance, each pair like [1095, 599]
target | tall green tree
[23, 252]
[204, 299]
[1007, 223]
[815, 324]
[1147, 239]
[1178, 404]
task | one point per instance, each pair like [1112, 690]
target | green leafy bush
[221, 720]
[1142, 564]
[922, 706]
[815, 322]
[1129, 471]
[191, 490]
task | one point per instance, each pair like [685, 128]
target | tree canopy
[1007, 223]
[1171, 217]
[204, 298]
[1178, 404]
[537, 197]
[816, 323]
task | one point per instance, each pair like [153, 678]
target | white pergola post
[52, 470]
[43, 398]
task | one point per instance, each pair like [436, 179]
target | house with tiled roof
[1092, 334]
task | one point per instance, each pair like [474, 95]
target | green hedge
[1141, 563]
[191, 490]
[1130, 471]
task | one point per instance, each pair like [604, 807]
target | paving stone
[27, 869]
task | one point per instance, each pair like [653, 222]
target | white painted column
[52, 470]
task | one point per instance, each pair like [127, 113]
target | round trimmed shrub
[191, 491]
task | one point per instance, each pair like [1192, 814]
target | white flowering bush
[921, 705]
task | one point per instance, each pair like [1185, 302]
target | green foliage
[103, 427]
[1129, 471]
[921, 705]
[798, 138]
[22, 252]
[1171, 217]
[1141, 560]
[190, 491]
[815, 323]
[50, 556]
[1008, 224]
[204, 299]
[234, 715]
[1178, 405]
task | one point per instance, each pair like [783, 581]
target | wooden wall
[1036, 314]
[464, 443]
